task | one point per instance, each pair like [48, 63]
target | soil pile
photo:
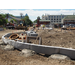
[56, 38]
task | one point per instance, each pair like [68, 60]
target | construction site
[43, 43]
[50, 37]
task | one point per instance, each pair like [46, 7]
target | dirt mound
[56, 38]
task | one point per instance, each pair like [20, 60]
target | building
[54, 19]
[45, 22]
[17, 18]
[70, 19]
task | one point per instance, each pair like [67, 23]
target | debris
[40, 41]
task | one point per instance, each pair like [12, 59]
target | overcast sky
[33, 13]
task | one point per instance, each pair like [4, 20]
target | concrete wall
[41, 48]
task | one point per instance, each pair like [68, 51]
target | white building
[54, 19]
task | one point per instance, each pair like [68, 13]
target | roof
[44, 20]
[19, 17]
[15, 18]
[69, 17]
[26, 14]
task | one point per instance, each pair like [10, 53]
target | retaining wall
[41, 48]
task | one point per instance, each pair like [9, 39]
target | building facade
[54, 19]
[45, 22]
[70, 19]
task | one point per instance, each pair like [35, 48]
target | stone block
[59, 56]
[27, 52]
[9, 47]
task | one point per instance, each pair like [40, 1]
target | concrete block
[9, 47]
[20, 45]
[59, 56]
[27, 52]
[69, 52]
[44, 49]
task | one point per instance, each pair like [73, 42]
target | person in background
[43, 26]
[34, 26]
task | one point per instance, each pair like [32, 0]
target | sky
[34, 13]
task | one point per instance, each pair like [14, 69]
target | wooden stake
[40, 41]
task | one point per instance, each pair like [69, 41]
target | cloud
[33, 14]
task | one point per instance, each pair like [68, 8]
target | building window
[54, 17]
[51, 17]
[59, 16]
[51, 21]
[59, 21]
[54, 21]
[63, 16]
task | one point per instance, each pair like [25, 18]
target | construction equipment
[10, 26]
[20, 26]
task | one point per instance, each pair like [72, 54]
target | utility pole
[21, 14]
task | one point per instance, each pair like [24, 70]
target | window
[59, 20]
[54, 17]
[51, 21]
[54, 21]
[51, 17]
[63, 16]
[59, 16]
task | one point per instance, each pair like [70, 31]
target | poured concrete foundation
[40, 48]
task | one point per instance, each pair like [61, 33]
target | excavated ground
[56, 38]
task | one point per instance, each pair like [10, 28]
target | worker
[43, 26]
[34, 26]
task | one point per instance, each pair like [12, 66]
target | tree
[35, 21]
[2, 19]
[27, 20]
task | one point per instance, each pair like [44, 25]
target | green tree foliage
[2, 19]
[12, 20]
[35, 21]
[27, 20]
